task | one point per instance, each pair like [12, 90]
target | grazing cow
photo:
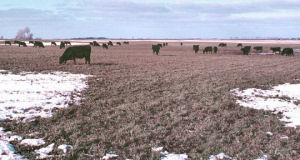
[119, 43]
[181, 43]
[276, 49]
[95, 43]
[196, 48]
[16, 42]
[62, 45]
[67, 42]
[125, 42]
[160, 45]
[215, 49]
[288, 52]
[240, 45]
[110, 43]
[31, 42]
[91, 43]
[246, 50]
[222, 45]
[105, 46]
[22, 44]
[258, 48]
[38, 44]
[207, 49]
[74, 52]
[7, 42]
[156, 48]
[53, 43]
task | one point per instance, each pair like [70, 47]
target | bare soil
[178, 100]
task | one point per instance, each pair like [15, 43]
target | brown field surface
[178, 100]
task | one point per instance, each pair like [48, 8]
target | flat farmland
[178, 100]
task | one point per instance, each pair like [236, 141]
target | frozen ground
[26, 96]
[283, 99]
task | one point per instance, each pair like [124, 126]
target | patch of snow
[8, 136]
[108, 156]
[43, 152]
[157, 149]
[65, 147]
[280, 98]
[8, 152]
[269, 133]
[284, 137]
[220, 156]
[264, 157]
[33, 142]
[28, 95]
[173, 156]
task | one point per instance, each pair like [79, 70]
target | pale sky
[152, 18]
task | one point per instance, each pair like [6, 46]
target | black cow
[31, 42]
[95, 43]
[22, 44]
[156, 48]
[207, 49]
[62, 45]
[181, 43]
[74, 52]
[17, 42]
[119, 43]
[246, 50]
[126, 42]
[288, 52]
[7, 42]
[38, 44]
[110, 43]
[276, 49]
[258, 48]
[240, 45]
[53, 43]
[196, 48]
[222, 45]
[215, 49]
[67, 42]
[105, 46]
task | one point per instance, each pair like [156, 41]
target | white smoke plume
[24, 34]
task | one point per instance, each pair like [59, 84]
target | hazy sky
[151, 18]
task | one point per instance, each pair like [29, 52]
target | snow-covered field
[283, 99]
[27, 95]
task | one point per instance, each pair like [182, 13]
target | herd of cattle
[71, 53]
[245, 50]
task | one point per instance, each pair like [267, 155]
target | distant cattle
[7, 42]
[38, 44]
[95, 43]
[258, 48]
[215, 49]
[17, 42]
[276, 49]
[67, 42]
[126, 42]
[31, 42]
[156, 49]
[196, 48]
[22, 44]
[222, 45]
[110, 43]
[119, 43]
[181, 43]
[240, 45]
[288, 52]
[74, 52]
[105, 46]
[62, 45]
[160, 45]
[246, 50]
[53, 43]
[207, 50]
[91, 43]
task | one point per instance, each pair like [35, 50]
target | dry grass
[177, 100]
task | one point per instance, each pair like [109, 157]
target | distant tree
[24, 34]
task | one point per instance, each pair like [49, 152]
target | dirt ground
[178, 100]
